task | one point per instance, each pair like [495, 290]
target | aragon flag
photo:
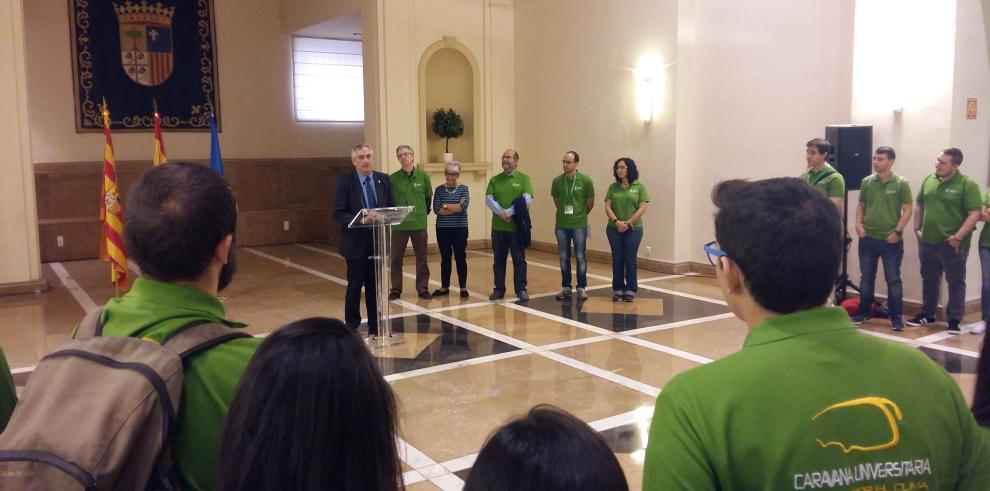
[111, 211]
[159, 143]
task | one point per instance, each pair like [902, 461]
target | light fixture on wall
[649, 85]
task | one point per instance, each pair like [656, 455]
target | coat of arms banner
[136, 54]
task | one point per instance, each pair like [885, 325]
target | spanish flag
[159, 143]
[111, 211]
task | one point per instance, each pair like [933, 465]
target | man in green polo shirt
[947, 209]
[179, 227]
[574, 196]
[809, 402]
[411, 187]
[503, 190]
[883, 212]
[820, 174]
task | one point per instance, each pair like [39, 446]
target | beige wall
[19, 257]
[254, 58]
[403, 32]
[575, 89]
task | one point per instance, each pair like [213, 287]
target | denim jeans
[580, 239]
[870, 251]
[624, 247]
[985, 290]
[938, 259]
[502, 244]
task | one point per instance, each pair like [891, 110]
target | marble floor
[462, 366]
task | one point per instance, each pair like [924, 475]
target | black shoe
[443, 292]
[464, 293]
[425, 294]
[523, 296]
[920, 320]
[953, 327]
[393, 295]
[564, 294]
[496, 295]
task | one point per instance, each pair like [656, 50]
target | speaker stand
[842, 283]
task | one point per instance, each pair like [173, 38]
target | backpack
[98, 412]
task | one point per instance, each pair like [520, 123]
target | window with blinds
[328, 79]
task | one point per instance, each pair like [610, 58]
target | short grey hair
[407, 147]
[452, 166]
[357, 148]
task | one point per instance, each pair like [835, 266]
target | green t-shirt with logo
[827, 180]
[573, 195]
[946, 205]
[626, 199]
[883, 202]
[811, 403]
[505, 188]
[985, 234]
[412, 190]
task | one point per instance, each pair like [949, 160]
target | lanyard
[570, 193]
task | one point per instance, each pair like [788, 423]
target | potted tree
[447, 124]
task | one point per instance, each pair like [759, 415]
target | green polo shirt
[883, 202]
[154, 309]
[811, 403]
[575, 193]
[985, 234]
[8, 395]
[946, 205]
[412, 190]
[505, 188]
[827, 179]
[626, 199]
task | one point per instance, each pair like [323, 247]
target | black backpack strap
[200, 336]
[822, 177]
[91, 326]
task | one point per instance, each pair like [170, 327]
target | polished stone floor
[462, 366]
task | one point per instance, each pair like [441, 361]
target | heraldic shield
[145, 41]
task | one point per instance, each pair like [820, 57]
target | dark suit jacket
[356, 243]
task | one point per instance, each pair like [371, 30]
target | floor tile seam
[419, 372]
[543, 265]
[683, 294]
[670, 350]
[916, 344]
[934, 338]
[674, 325]
[458, 464]
[448, 482]
[77, 291]
[412, 477]
[299, 267]
[413, 456]
[559, 319]
[622, 419]
[580, 365]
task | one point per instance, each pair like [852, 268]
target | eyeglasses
[452, 173]
[567, 162]
[711, 249]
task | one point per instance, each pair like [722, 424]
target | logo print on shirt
[890, 411]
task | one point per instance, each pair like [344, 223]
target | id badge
[568, 209]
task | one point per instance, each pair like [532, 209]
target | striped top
[441, 195]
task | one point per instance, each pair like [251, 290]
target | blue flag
[215, 162]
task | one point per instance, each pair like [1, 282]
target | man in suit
[364, 188]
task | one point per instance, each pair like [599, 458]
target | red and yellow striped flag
[111, 211]
[160, 157]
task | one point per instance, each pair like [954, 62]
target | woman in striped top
[450, 202]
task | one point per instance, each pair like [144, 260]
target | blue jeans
[624, 247]
[871, 250]
[985, 290]
[580, 239]
[502, 244]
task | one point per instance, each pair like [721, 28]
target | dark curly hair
[631, 171]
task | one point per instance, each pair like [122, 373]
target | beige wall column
[20, 266]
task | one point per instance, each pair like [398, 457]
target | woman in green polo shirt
[625, 204]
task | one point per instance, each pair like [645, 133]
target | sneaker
[953, 327]
[496, 295]
[581, 294]
[564, 294]
[393, 295]
[523, 296]
[464, 293]
[617, 297]
[896, 323]
[920, 320]
[978, 328]
[628, 298]
[859, 319]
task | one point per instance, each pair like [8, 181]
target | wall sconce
[649, 85]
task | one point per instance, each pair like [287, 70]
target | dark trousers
[870, 252]
[360, 272]
[503, 243]
[400, 238]
[453, 242]
[625, 247]
[938, 259]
